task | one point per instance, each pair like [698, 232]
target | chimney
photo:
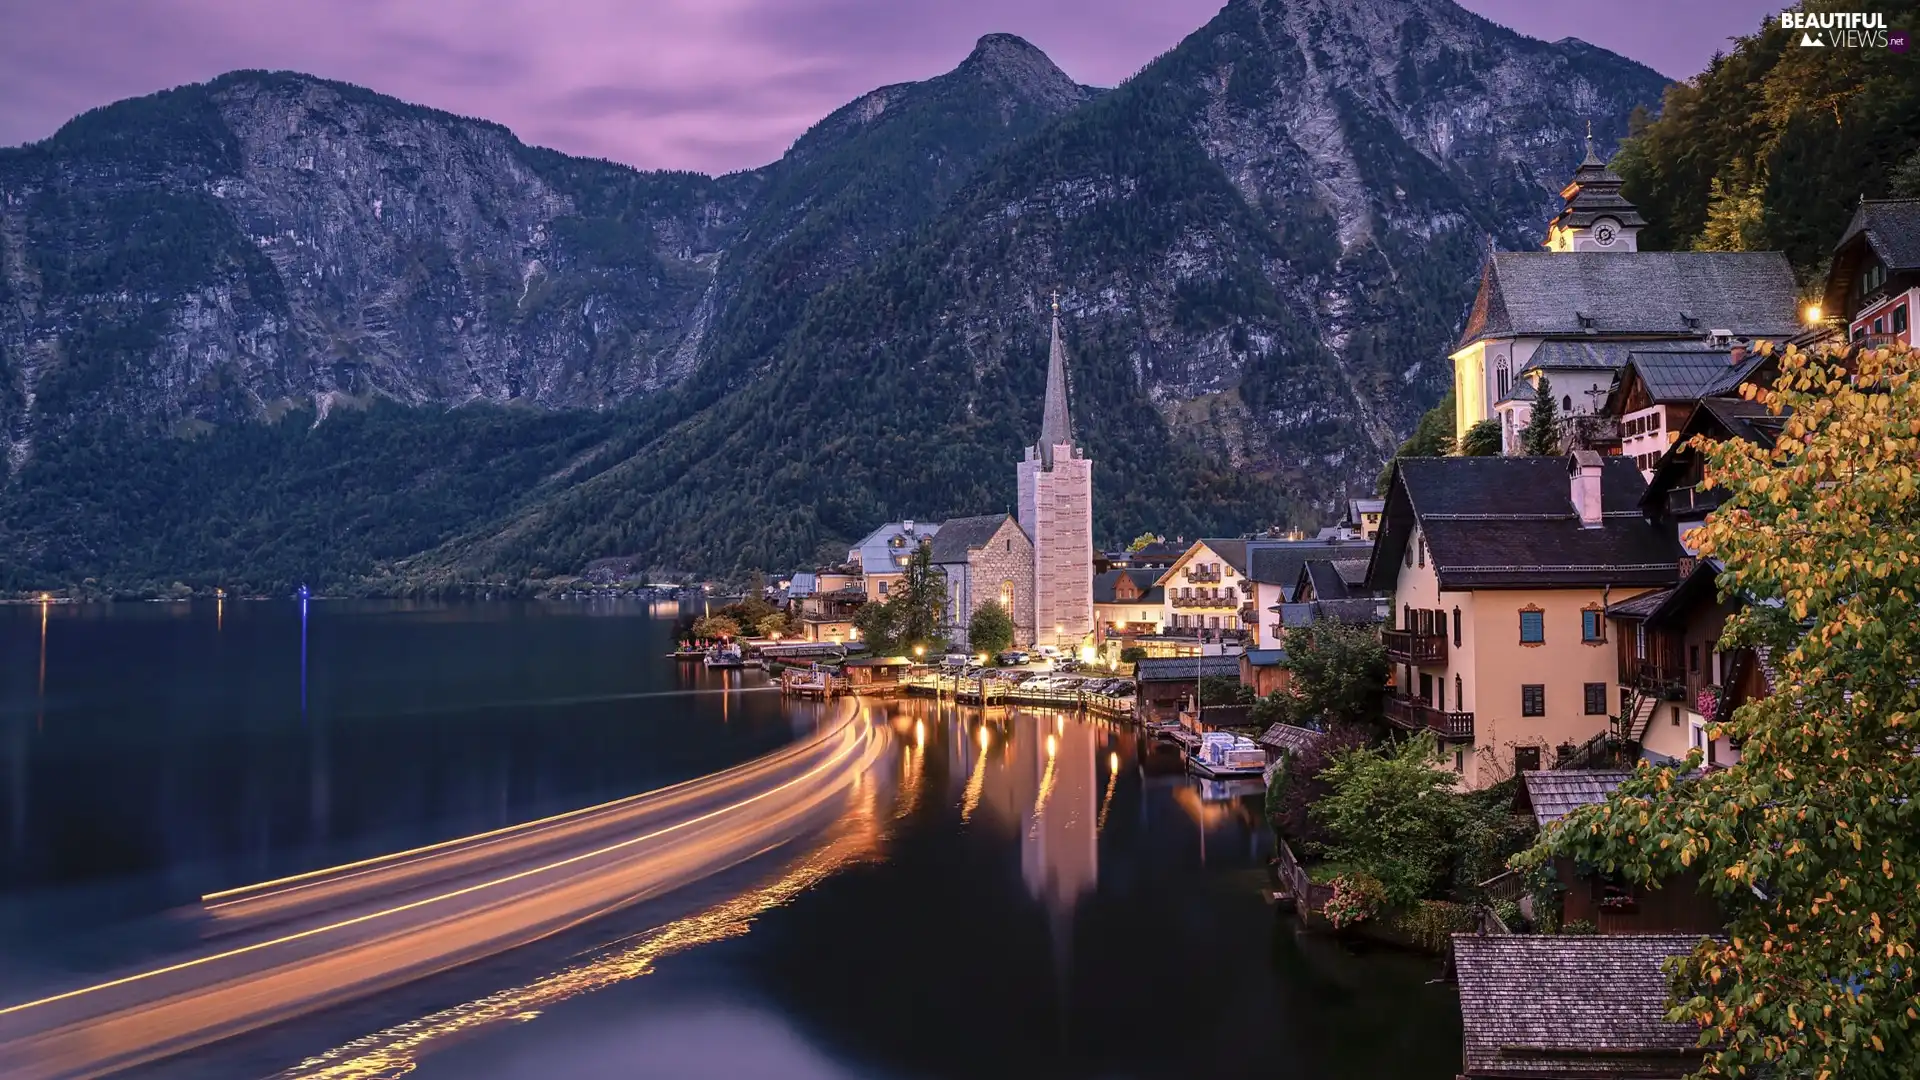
[1583, 470]
[1737, 356]
[906, 526]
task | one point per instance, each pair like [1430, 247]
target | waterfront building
[984, 558]
[1206, 588]
[1127, 602]
[1056, 510]
[1500, 571]
[881, 556]
[1570, 312]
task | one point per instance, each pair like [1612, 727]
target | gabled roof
[1333, 579]
[1232, 551]
[1143, 579]
[1892, 229]
[1553, 795]
[1288, 739]
[1509, 522]
[1357, 507]
[1717, 417]
[1160, 551]
[1557, 355]
[1358, 610]
[1633, 293]
[1279, 562]
[959, 536]
[1639, 607]
[802, 585]
[1685, 371]
[875, 552]
[1572, 1005]
[1184, 668]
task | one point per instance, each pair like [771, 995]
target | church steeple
[1596, 217]
[1056, 424]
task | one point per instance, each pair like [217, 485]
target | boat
[725, 656]
[688, 653]
[1222, 754]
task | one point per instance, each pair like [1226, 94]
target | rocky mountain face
[1263, 244]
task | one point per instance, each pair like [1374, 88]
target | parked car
[1013, 656]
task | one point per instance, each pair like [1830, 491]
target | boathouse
[876, 674]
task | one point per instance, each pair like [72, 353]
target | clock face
[1604, 234]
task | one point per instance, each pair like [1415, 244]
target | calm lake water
[1023, 893]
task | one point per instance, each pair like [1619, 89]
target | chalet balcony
[1202, 574]
[1416, 715]
[1412, 647]
[1214, 602]
[1690, 501]
[1659, 680]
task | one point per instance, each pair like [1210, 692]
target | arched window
[1006, 596]
[1456, 634]
[1566, 403]
[1503, 379]
[1459, 692]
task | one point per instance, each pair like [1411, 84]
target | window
[1440, 619]
[1213, 622]
[1880, 326]
[1596, 699]
[1526, 759]
[1408, 556]
[1900, 319]
[1459, 761]
[1459, 695]
[1673, 715]
[1593, 626]
[1423, 551]
[1693, 658]
[1533, 626]
[1566, 403]
[1639, 641]
[883, 588]
[1456, 628]
[1533, 700]
[1502, 378]
[1406, 616]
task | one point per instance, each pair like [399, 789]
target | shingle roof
[1278, 562]
[1745, 419]
[1578, 356]
[1288, 739]
[1183, 668]
[1893, 229]
[1357, 507]
[1554, 795]
[958, 536]
[802, 584]
[876, 551]
[1639, 607]
[1143, 578]
[1571, 1005]
[1328, 583]
[1682, 372]
[1677, 293]
[1494, 522]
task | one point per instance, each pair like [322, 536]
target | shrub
[1356, 898]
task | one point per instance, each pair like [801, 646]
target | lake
[1020, 892]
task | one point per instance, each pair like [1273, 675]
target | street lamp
[919, 650]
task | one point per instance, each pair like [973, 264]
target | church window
[1566, 403]
[1502, 377]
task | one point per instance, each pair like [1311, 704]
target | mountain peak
[1011, 59]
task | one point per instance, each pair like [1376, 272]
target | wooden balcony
[1416, 715]
[1219, 602]
[1659, 680]
[1690, 501]
[1411, 647]
[1202, 574]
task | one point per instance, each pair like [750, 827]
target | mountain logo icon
[1810, 40]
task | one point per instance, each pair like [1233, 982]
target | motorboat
[1223, 754]
[725, 656]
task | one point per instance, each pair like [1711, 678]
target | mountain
[1262, 244]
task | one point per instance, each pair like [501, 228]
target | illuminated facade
[1056, 510]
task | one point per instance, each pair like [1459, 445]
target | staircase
[1641, 718]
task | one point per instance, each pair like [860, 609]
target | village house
[1205, 589]
[881, 556]
[1659, 387]
[985, 558]
[1608, 903]
[1571, 1007]
[1566, 312]
[1363, 517]
[824, 602]
[1500, 570]
[1164, 688]
[1127, 603]
[1873, 288]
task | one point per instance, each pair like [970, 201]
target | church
[1576, 311]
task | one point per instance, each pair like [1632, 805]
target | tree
[1812, 839]
[1904, 181]
[1299, 784]
[707, 627]
[1390, 813]
[919, 601]
[770, 625]
[878, 626]
[1432, 437]
[1143, 540]
[1482, 439]
[991, 628]
[1224, 690]
[1339, 671]
[1541, 436]
[1735, 214]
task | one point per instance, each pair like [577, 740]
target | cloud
[713, 85]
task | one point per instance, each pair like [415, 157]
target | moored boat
[725, 656]
[1222, 754]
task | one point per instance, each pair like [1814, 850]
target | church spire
[1056, 425]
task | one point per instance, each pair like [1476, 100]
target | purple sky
[711, 85]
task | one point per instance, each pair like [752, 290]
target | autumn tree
[1541, 436]
[708, 627]
[1812, 839]
[1144, 540]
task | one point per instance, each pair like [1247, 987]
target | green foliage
[1431, 924]
[1392, 813]
[1145, 539]
[1224, 690]
[991, 629]
[1735, 214]
[1812, 839]
[1813, 129]
[878, 626]
[1356, 898]
[1580, 927]
[1541, 436]
[1904, 182]
[1278, 707]
[1301, 782]
[1339, 671]
[918, 600]
[1132, 654]
[777, 623]
[1432, 437]
[1482, 439]
[709, 627]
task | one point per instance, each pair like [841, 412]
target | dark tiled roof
[1716, 418]
[1639, 607]
[1744, 419]
[1554, 795]
[1677, 293]
[1279, 562]
[1232, 552]
[958, 536]
[1183, 668]
[1362, 610]
[1265, 657]
[1289, 739]
[1494, 522]
[1893, 229]
[1143, 579]
[1571, 1005]
[1578, 356]
[1160, 552]
[1682, 373]
[1328, 584]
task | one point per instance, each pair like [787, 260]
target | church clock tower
[1597, 217]
[1056, 510]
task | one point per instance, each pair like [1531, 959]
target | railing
[1233, 601]
[1695, 500]
[1294, 881]
[1201, 573]
[1667, 684]
[1416, 715]
[1411, 647]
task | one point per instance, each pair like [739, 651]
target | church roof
[958, 536]
[1056, 423]
[1578, 356]
[1633, 293]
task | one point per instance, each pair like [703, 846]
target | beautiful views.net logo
[1844, 29]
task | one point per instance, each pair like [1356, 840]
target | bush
[1132, 654]
[1431, 924]
[1580, 927]
[1356, 898]
[1393, 813]
[1298, 786]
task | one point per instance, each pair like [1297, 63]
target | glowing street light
[1813, 313]
[919, 650]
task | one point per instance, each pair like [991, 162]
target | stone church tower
[1056, 510]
